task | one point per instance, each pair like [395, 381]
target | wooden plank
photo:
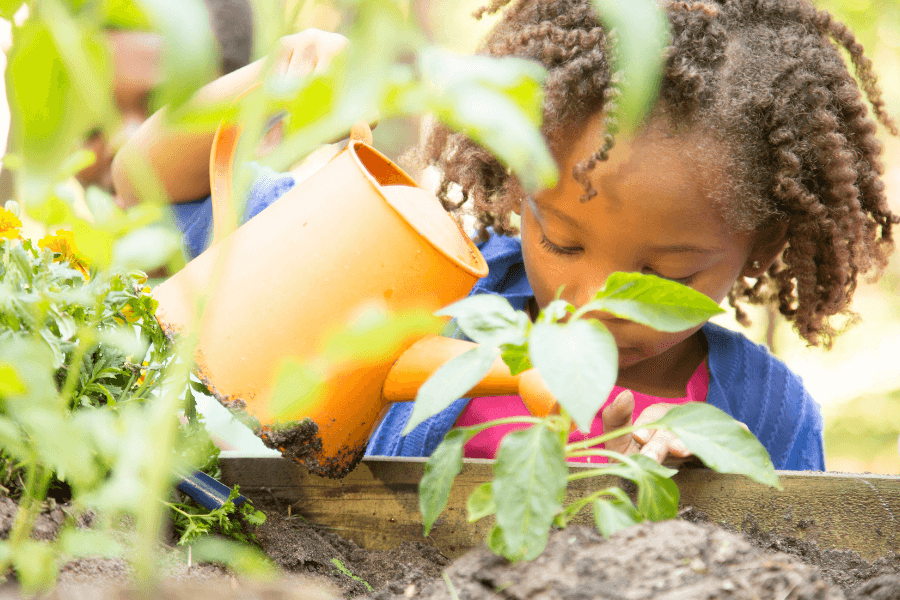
[377, 504]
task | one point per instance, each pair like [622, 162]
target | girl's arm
[181, 159]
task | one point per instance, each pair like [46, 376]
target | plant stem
[594, 441]
[37, 482]
[505, 421]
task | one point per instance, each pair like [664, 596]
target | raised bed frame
[377, 505]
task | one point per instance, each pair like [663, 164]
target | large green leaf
[720, 441]
[642, 33]
[495, 101]
[190, 56]
[86, 56]
[8, 8]
[38, 88]
[579, 362]
[489, 320]
[649, 300]
[529, 487]
[442, 467]
[451, 382]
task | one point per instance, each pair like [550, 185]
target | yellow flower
[63, 243]
[129, 316]
[9, 224]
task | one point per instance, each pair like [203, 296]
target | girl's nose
[584, 292]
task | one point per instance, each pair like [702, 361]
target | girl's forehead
[661, 183]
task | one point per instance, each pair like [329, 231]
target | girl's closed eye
[687, 280]
[549, 246]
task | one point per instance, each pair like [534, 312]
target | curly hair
[767, 79]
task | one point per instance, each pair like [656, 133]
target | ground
[685, 558]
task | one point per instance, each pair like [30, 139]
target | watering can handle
[424, 357]
[221, 167]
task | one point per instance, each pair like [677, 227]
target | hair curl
[767, 77]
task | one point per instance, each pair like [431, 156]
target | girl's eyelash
[682, 280]
[551, 247]
[569, 251]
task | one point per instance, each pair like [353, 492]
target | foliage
[77, 402]
[577, 360]
[858, 430]
[236, 522]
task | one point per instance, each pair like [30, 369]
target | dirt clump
[844, 568]
[660, 561]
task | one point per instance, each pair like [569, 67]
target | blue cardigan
[745, 380]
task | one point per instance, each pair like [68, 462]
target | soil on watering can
[683, 558]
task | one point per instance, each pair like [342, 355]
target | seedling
[577, 358]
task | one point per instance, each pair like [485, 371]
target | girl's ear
[768, 246]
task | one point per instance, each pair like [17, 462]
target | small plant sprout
[577, 359]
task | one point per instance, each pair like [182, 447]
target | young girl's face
[653, 213]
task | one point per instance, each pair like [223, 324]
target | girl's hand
[308, 52]
[661, 446]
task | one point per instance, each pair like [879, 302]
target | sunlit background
[857, 382]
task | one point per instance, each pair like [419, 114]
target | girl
[757, 163]
[756, 177]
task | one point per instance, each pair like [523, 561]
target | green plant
[577, 359]
[343, 569]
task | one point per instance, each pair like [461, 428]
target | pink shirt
[481, 410]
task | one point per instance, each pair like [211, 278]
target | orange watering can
[357, 231]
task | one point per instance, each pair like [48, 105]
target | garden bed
[735, 540]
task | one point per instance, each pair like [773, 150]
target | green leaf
[190, 56]
[10, 382]
[720, 441]
[496, 541]
[612, 515]
[649, 300]
[642, 32]
[378, 335]
[35, 564]
[495, 101]
[13, 440]
[8, 8]
[146, 248]
[39, 88]
[244, 559]
[516, 358]
[481, 502]
[489, 320]
[451, 382]
[123, 14]
[579, 362]
[296, 386]
[88, 542]
[442, 467]
[529, 487]
[127, 341]
[657, 493]
[85, 53]
[555, 311]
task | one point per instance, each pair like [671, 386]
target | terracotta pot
[357, 232]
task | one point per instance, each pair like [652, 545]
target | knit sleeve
[757, 389]
[194, 219]
[421, 441]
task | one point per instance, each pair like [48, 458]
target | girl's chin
[629, 357]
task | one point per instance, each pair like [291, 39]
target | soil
[685, 558]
